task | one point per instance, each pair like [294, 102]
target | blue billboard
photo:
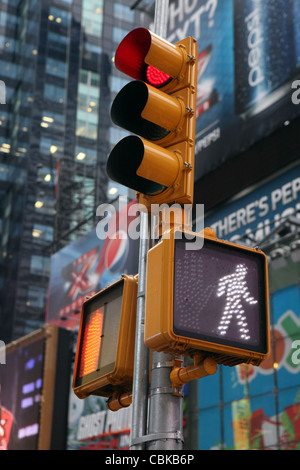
[248, 71]
[247, 407]
[256, 214]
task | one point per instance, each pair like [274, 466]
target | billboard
[37, 368]
[248, 71]
[92, 426]
[260, 405]
[91, 263]
[252, 218]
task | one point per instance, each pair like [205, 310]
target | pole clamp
[178, 436]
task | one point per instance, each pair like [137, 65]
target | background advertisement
[261, 405]
[34, 391]
[91, 263]
[249, 61]
[92, 426]
[82, 269]
[251, 218]
[20, 411]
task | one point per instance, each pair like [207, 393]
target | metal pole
[165, 409]
[141, 360]
[161, 18]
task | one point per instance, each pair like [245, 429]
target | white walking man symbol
[236, 290]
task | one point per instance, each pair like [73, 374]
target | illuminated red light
[155, 77]
[135, 46]
[131, 58]
[91, 343]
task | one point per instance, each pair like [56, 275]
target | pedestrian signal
[160, 109]
[106, 340]
[213, 299]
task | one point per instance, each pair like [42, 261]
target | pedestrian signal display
[213, 299]
[159, 108]
[106, 340]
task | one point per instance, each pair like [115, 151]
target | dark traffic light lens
[123, 164]
[127, 109]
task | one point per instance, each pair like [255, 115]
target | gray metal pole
[161, 18]
[141, 360]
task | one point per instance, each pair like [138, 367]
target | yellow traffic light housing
[213, 299]
[105, 349]
[159, 107]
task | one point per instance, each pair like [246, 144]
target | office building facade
[56, 67]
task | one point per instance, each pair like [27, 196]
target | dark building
[55, 135]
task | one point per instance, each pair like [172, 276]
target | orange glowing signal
[91, 343]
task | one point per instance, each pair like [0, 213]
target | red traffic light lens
[156, 78]
[91, 343]
[132, 53]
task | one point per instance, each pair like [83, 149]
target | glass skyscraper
[58, 81]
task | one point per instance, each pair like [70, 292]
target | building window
[36, 297]
[85, 156]
[119, 34]
[53, 121]
[50, 146]
[58, 16]
[54, 93]
[57, 42]
[42, 234]
[92, 17]
[56, 68]
[91, 51]
[40, 265]
[88, 104]
[123, 12]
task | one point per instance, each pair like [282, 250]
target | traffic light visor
[145, 111]
[100, 320]
[142, 165]
[219, 295]
[144, 56]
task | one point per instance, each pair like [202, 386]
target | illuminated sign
[34, 390]
[215, 295]
[213, 299]
[105, 349]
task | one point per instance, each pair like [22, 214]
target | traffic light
[159, 107]
[106, 340]
[213, 299]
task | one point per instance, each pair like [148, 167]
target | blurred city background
[58, 81]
